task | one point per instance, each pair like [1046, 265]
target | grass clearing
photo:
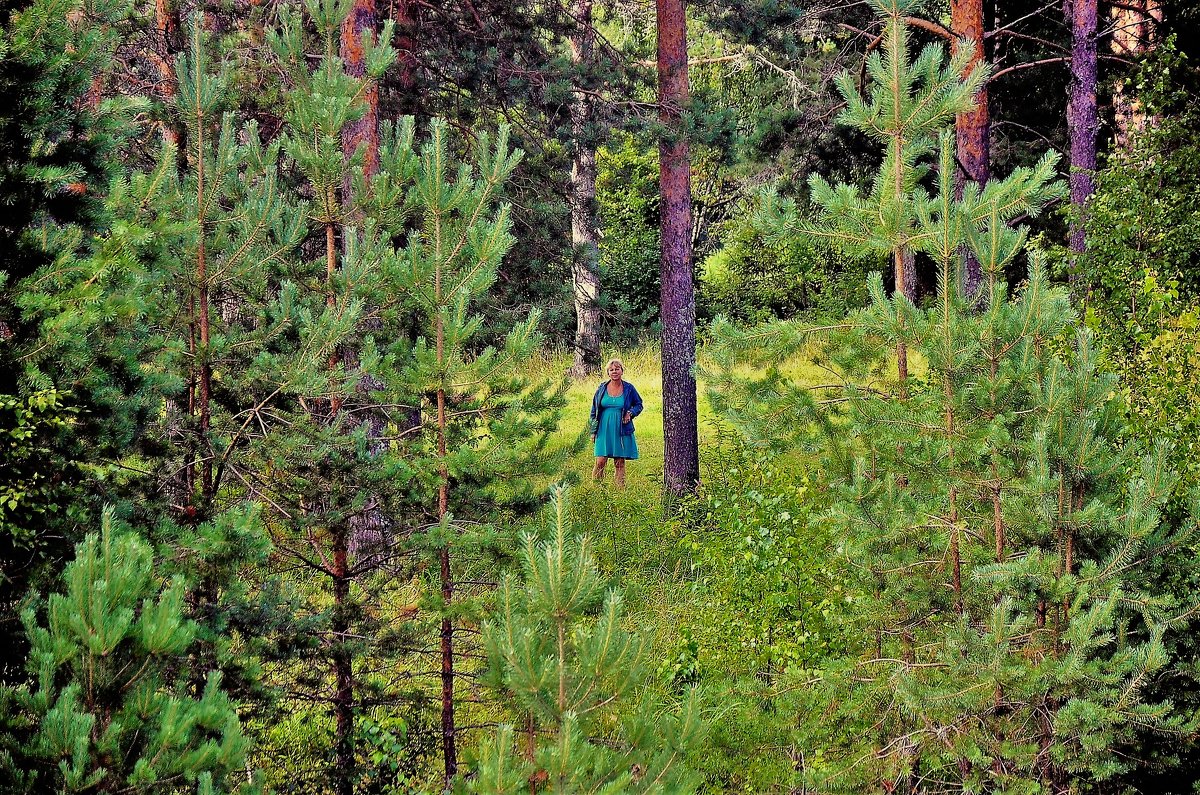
[643, 368]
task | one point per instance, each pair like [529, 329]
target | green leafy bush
[1142, 268]
[755, 276]
[770, 594]
[627, 194]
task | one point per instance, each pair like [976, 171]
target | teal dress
[609, 441]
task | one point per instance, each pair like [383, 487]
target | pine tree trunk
[365, 131]
[1082, 125]
[678, 302]
[973, 129]
[165, 46]
[366, 529]
[204, 396]
[206, 595]
[343, 673]
[585, 224]
[1135, 32]
[404, 71]
[446, 648]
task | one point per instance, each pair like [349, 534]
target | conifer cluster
[559, 654]
[998, 527]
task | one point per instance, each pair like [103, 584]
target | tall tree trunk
[204, 395]
[1135, 32]
[678, 300]
[199, 506]
[972, 129]
[366, 529]
[362, 136]
[446, 648]
[164, 47]
[365, 131]
[585, 224]
[1082, 125]
[343, 672]
[405, 69]
[339, 572]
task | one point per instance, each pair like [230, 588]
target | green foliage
[561, 658]
[70, 383]
[768, 605]
[27, 490]
[501, 419]
[108, 707]
[1143, 288]
[907, 105]
[53, 144]
[411, 440]
[757, 276]
[998, 534]
[771, 603]
[1143, 303]
[627, 194]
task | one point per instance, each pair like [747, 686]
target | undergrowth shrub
[771, 598]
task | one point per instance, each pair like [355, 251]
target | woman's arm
[594, 417]
[635, 402]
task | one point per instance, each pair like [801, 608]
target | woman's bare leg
[598, 470]
[619, 472]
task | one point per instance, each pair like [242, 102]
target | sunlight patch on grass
[643, 368]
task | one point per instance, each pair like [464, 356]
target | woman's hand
[627, 417]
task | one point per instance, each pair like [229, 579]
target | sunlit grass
[643, 369]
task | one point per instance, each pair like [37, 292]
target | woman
[614, 406]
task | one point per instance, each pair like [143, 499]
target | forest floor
[637, 541]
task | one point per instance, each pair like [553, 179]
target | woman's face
[615, 371]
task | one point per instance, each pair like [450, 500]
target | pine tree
[330, 480]
[210, 235]
[71, 391]
[1001, 532]
[108, 708]
[423, 435]
[559, 655]
[908, 103]
[484, 424]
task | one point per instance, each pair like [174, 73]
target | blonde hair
[617, 362]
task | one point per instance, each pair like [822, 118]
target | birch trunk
[585, 224]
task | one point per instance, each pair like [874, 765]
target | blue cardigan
[633, 405]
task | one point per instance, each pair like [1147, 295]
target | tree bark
[199, 506]
[164, 48]
[204, 397]
[585, 223]
[678, 301]
[404, 72]
[343, 672]
[365, 131]
[1082, 125]
[446, 635]
[1135, 32]
[973, 128]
